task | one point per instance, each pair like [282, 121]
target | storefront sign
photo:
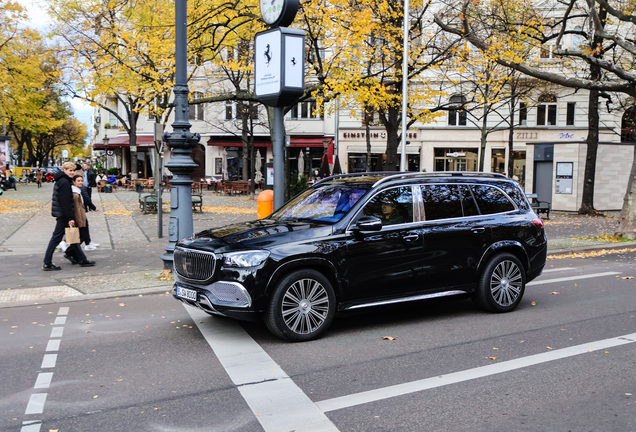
[455, 154]
[565, 135]
[382, 135]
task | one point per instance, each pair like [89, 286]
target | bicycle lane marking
[278, 403]
[36, 403]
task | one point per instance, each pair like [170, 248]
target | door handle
[411, 237]
[478, 230]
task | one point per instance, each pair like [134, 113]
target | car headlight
[245, 259]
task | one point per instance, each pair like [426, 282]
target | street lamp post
[181, 141]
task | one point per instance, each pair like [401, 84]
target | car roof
[375, 179]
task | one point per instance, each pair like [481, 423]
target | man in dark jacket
[63, 209]
[89, 180]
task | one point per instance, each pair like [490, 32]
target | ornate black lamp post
[105, 141]
[181, 141]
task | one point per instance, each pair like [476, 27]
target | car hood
[261, 234]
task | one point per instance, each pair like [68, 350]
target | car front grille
[196, 266]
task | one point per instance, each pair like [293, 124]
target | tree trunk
[392, 126]
[627, 222]
[511, 134]
[587, 201]
[368, 138]
[483, 139]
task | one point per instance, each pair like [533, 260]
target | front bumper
[225, 298]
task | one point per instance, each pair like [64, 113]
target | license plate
[187, 294]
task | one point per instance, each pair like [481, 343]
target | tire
[501, 285]
[302, 306]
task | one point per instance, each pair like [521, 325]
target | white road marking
[570, 278]
[559, 269]
[60, 320]
[53, 345]
[31, 426]
[44, 380]
[57, 332]
[63, 310]
[470, 374]
[280, 404]
[36, 403]
[49, 361]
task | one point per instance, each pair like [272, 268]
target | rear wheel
[302, 306]
[501, 285]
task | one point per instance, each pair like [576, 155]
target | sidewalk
[128, 258]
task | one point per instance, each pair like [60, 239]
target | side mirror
[368, 223]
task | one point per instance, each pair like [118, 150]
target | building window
[570, 115]
[628, 125]
[547, 51]
[229, 110]
[305, 110]
[457, 114]
[523, 113]
[456, 159]
[196, 111]
[546, 110]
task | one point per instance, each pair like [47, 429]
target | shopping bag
[72, 235]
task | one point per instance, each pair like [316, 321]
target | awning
[236, 144]
[309, 141]
[124, 141]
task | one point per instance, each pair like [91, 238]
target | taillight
[538, 222]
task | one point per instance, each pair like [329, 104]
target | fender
[504, 244]
[303, 262]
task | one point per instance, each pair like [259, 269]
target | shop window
[546, 110]
[358, 162]
[456, 159]
[519, 167]
[457, 114]
[498, 161]
[570, 114]
[196, 111]
[523, 113]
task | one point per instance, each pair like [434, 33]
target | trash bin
[265, 204]
[108, 189]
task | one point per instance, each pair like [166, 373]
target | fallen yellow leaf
[533, 303]
[388, 338]
[492, 358]
[555, 293]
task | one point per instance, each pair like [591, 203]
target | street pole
[405, 84]
[181, 141]
[278, 148]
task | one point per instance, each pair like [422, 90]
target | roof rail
[360, 174]
[439, 174]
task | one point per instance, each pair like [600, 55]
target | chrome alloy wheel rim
[305, 306]
[505, 283]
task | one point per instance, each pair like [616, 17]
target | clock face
[271, 10]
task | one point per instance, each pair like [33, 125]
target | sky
[40, 20]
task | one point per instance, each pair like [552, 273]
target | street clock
[277, 13]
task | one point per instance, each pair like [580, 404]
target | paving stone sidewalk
[128, 258]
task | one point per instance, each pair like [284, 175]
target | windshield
[326, 204]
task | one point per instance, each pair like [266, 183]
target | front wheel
[302, 306]
[501, 285]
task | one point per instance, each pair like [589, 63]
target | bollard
[265, 204]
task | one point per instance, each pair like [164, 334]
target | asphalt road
[563, 361]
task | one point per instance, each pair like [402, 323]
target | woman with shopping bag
[80, 211]
[63, 210]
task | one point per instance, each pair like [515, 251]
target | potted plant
[139, 186]
[106, 125]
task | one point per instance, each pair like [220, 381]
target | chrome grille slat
[194, 265]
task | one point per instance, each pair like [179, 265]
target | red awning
[123, 141]
[309, 141]
[236, 144]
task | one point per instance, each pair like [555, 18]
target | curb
[82, 297]
[591, 248]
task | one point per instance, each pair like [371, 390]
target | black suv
[359, 240]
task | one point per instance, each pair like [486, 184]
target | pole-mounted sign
[279, 66]
[279, 74]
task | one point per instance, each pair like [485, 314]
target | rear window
[491, 200]
[447, 201]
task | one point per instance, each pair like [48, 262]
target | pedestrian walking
[38, 177]
[81, 221]
[89, 179]
[63, 210]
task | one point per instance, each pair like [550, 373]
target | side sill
[407, 299]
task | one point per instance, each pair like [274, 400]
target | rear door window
[443, 201]
[491, 200]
